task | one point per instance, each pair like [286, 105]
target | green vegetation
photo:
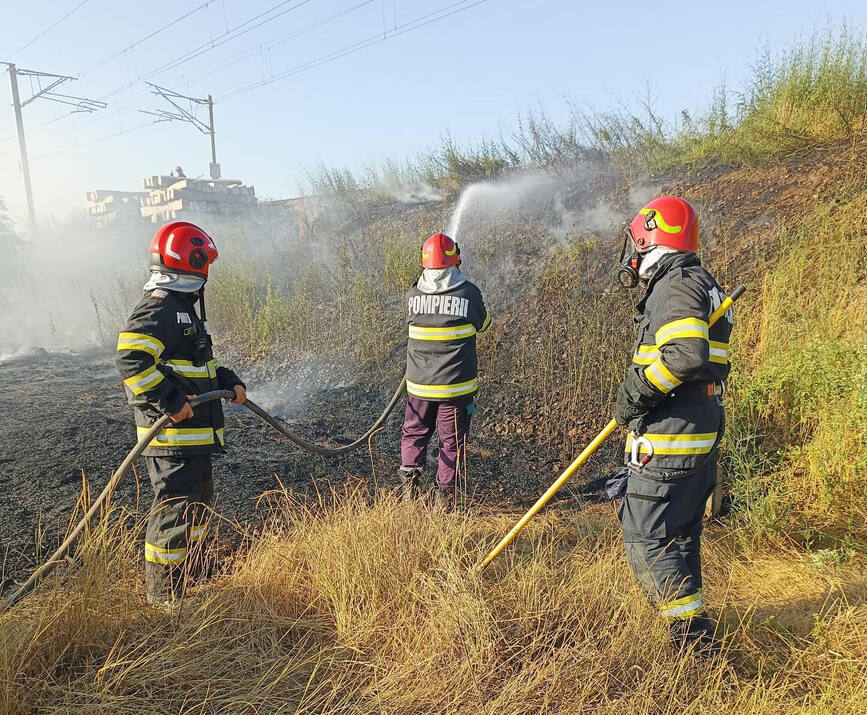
[797, 439]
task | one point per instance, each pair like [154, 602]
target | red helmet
[440, 251]
[666, 221]
[182, 247]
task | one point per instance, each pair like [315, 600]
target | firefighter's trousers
[178, 524]
[661, 518]
[451, 419]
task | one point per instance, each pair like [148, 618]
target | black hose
[140, 446]
[318, 448]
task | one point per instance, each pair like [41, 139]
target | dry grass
[371, 607]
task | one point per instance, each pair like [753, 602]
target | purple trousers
[452, 422]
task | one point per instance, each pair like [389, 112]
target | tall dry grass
[372, 607]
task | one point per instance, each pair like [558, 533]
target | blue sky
[469, 73]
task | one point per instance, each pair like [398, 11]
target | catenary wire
[358, 46]
[147, 37]
[51, 27]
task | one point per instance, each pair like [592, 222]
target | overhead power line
[209, 70]
[231, 60]
[51, 27]
[95, 141]
[415, 24]
[147, 37]
[231, 34]
[396, 30]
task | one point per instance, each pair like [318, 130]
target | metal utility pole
[22, 144]
[187, 115]
[80, 104]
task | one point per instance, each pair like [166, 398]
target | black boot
[410, 478]
[696, 633]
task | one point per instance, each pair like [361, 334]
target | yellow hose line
[585, 455]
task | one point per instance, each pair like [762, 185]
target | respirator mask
[627, 273]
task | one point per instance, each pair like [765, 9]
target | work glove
[634, 399]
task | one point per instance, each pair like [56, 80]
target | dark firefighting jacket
[678, 368]
[441, 359]
[164, 355]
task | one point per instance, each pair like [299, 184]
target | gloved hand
[634, 399]
[625, 410]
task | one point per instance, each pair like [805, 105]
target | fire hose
[586, 453]
[157, 427]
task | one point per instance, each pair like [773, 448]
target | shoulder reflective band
[701, 443]
[684, 328]
[144, 380]
[453, 332]
[719, 352]
[442, 391]
[137, 341]
[180, 436]
[186, 368]
[158, 555]
[684, 607]
[660, 376]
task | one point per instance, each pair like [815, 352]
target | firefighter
[671, 402]
[444, 313]
[165, 358]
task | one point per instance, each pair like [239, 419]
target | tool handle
[552, 490]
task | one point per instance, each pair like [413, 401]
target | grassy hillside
[359, 605]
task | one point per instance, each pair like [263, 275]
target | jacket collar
[666, 264]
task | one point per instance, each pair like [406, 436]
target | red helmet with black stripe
[666, 221]
[440, 251]
[181, 247]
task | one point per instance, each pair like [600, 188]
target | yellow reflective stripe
[645, 354]
[660, 376]
[197, 533]
[700, 443]
[660, 222]
[719, 352]
[138, 341]
[221, 436]
[212, 368]
[180, 436]
[452, 332]
[186, 368]
[442, 391]
[683, 328]
[144, 380]
[684, 607]
[159, 555]
[485, 323]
